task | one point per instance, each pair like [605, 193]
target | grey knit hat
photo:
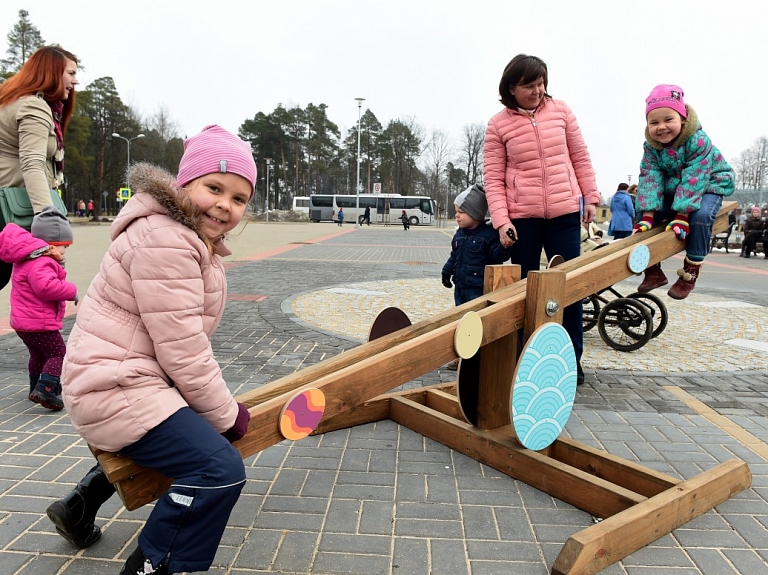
[52, 227]
[472, 202]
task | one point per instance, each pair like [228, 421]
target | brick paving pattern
[380, 498]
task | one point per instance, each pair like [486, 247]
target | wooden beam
[501, 450]
[617, 470]
[609, 541]
[498, 359]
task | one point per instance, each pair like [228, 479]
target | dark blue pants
[467, 293]
[188, 521]
[557, 236]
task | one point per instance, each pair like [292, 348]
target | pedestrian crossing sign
[125, 194]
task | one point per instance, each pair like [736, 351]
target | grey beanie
[472, 202]
[52, 227]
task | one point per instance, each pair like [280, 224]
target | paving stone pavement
[380, 498]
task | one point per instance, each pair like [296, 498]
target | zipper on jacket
[543, 166]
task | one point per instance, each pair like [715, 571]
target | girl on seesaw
[139, 376]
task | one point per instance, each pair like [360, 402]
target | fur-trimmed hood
[155, 192]
[689, 129]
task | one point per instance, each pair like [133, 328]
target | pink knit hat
[666, 96]
[214, 150]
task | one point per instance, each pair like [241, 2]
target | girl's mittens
[680, 226]
[237, 431]
[644, 225]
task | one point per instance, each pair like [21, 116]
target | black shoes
[47, 392]
[579, 374]
[137, 564]
[74, 515]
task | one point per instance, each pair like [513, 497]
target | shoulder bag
[15, 206]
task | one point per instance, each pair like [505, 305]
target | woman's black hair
[522, 69]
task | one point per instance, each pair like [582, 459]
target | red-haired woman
[35, 107]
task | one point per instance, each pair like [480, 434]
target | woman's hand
[590, 211]
[507, 235]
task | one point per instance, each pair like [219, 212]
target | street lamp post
[762, 183]
[266, 198]
[357, 190]
[127, 141]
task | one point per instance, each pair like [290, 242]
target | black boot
[137, 564]
[74, 515]
[32, 383]
[47, 392]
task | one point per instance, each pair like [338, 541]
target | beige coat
[27, 146]
[140, 349]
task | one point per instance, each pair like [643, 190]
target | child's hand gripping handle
[237, 431]
[644, 224]
[680, 226]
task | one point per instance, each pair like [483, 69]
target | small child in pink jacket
[39, 292]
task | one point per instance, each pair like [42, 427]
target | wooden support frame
[638, 505]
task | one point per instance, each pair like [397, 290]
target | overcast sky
[438, 62]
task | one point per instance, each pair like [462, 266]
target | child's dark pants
[188, 521]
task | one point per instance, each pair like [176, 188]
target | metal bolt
[552, 307]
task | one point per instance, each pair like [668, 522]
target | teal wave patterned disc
[544, 388]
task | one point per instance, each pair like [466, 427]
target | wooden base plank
[628, 474]
[499, 449]
[609, 541]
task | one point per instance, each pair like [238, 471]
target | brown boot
[686, 280]
[654, 278]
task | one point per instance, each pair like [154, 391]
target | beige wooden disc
[468, 335]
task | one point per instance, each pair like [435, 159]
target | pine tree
[23, 39]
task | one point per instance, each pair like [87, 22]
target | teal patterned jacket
[691, 167]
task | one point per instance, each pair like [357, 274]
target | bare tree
[472, 153]
[163, 124]
[750, 165]
[437, 155]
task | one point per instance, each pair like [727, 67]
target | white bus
[386, 208]
[301, 204]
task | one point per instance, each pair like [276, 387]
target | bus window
[321, 208]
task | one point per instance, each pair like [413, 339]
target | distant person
[622, 213]
[537, 173]
[36, 105]
[340, 216]
[39, 292]
[140, 376]
[90, 209]
[405, 220]
[474, 246]
[366, 216]
[754, 227]
[683, 178]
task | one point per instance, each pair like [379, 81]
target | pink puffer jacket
[536, 167]
[39, 288]
[140, 349]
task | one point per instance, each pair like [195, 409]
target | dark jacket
[471, 251]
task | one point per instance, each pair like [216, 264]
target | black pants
[5, 273]
[750, 242]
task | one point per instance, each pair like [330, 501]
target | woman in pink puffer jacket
[538, 175]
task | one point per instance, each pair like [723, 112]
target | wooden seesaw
[638, 505]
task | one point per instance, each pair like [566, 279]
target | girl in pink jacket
[39, 292]
[538, 174]
[140, 377]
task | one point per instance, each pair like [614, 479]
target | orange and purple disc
[302, 414]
